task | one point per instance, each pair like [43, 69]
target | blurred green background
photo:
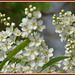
[16, 9]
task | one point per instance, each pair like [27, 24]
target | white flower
[66, 19]
[37, 70]
[2, 54]
[15, 68]
[69, 30]
[58, 64]
[5, 68]
[37, 63]
[26, 31]
[59, 29]
[40, 25]
[17, 32]
[63, 36]
[21, 25]
[2, 37]
[5, 33]
[32, 64]
[73, 18]
[19, 68]
[39, 49]
[12, 68]
[37, 14]
[73, 61]
[66, 23]
[67, 53]
[12, 39]
[25, 21]
[33, 24]
[49, 52]
[6, 45]
[49, 70]
[27, 69]
[31, 52]
[35, 40]
[9, 30]
[67, 65]
[68, 13]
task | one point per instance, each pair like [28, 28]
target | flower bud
[30, 6]
[8, 24]
[62, 11]
[26, 9]
[4, 19]
[3, 15]
[31, 9]
[29, 15]
[34, 8]
[12, 24]
[8, 18]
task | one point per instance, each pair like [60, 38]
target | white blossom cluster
[65, 26]
[69, 64]
[36, 54]
[7, 37]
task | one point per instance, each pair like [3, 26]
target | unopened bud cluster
[6, 21]
[30, 12]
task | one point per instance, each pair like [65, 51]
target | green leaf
[54, 60]
[15, 51]
[23, 60]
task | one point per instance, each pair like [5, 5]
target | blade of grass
[15, 51]
[54, 60]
